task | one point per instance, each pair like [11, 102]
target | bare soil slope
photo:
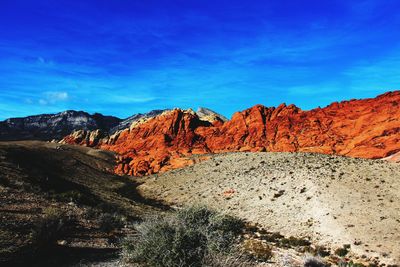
[41, 180]
[333, 200]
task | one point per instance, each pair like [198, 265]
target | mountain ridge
[53, 126]
[366, 128]
[161, 140]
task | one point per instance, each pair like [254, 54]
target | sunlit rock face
[368, 128]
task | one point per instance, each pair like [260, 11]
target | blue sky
[122, 57]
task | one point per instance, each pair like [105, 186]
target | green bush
[191, 237]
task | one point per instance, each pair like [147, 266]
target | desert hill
[367, 128]
[65, 207]
[332, 200]
[59, 204]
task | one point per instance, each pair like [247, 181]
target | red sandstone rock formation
[368, 128]
[394, 158]
[159, 144]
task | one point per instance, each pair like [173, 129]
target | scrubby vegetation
[74, 196]
[294, 242]
[49, 228]
[258, 249]
[342, 251]
[194, 236]
[314, 262]
[110, 221]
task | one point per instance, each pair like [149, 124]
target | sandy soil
[332, 200]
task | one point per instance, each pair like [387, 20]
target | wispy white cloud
[57, 96]
[53, 97]
[115, 99]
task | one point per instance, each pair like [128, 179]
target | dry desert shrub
[195, 236]
[314, 262]
[110, 221]
[49, 227]
[258, 249]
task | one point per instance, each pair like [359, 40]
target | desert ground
[331, 200]
[63, 204]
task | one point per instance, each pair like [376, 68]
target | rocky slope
[53, 126]
[332, 200]
[368, 128]
[65, 207]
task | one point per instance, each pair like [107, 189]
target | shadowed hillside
[62, 204]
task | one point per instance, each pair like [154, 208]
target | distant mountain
[57, 126]
[126, 123]
[54, 126]
[206, 114]
[96, 137]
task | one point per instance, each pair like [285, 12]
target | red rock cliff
[368, 128]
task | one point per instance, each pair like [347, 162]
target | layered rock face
[368, 128]
[159, 144]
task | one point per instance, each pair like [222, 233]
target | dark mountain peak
[53, 126]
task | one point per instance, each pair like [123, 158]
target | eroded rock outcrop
[368, 128]
[159, 144]
[86, 138]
